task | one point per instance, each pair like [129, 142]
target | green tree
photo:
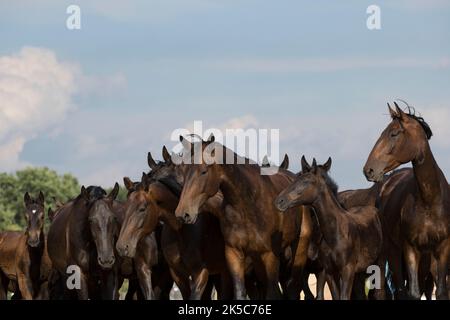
[32, 180]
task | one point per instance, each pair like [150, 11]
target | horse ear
[151, 163]
[327, 165]
[51, 214]
[144, 180]
[400, 112]
[41, 198]
[166, 155]
[211, 138]
[84, 193]
[314, 165]
[114, 192]
[392, 112]
[128, 183]
[265, 162]
[27, 199]
[285, 163]
[186, 144]
[305, 165]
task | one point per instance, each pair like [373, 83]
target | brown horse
[23, 255]
[139, 269]
[354, 236]
[251, 225]
[172, 175]
[190, 251]
[83, 234]
[420, 205]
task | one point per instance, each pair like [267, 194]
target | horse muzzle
[33, 241]
[106, 263]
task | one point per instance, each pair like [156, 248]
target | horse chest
[240, 231]
[424, 226]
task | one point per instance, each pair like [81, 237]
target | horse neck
[79, 222]
[236, 185]
[329, 213]
[428, 175]
[35, 253]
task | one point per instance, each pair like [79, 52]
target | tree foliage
[32, 180]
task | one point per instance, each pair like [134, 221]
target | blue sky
[94, 101]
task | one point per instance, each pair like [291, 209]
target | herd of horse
[205, 225]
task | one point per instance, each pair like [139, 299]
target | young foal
[23, 256]
[354, 236]
[83, 234]
[422, 203]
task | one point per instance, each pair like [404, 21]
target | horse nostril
[186, 216]
[368, 172]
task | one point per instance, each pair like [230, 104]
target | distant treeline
[14, 185]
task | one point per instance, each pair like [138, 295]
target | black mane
[411, 112]
[95, 192]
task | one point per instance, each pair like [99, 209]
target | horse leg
[271, 265]
[380, 293]
[333, 280]
[346, 284]
[162, 281]
[109, 288]
[305, 286]
[199, 282]
[182, 283]
[83, 291]
[412, 257]
[208, 291]
[144, 275]
[226, 286]
[4, 282]
[25, 286]
[358, 290]
[294, 284]
[43, 291]
[252, 286]
[320, 285]
[442, 255]
[236, 264]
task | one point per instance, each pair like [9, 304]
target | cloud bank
[35, 94]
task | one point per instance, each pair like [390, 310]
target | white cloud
[35, 94]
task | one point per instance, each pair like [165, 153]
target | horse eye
[395, 133]
[204, 172]
[142, 209]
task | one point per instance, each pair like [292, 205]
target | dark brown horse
[419, 207]
[83, 235]
[354, 236]
[138, 270]
[23, 255]
[190, 251]
[172, 175]
[251, 225]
